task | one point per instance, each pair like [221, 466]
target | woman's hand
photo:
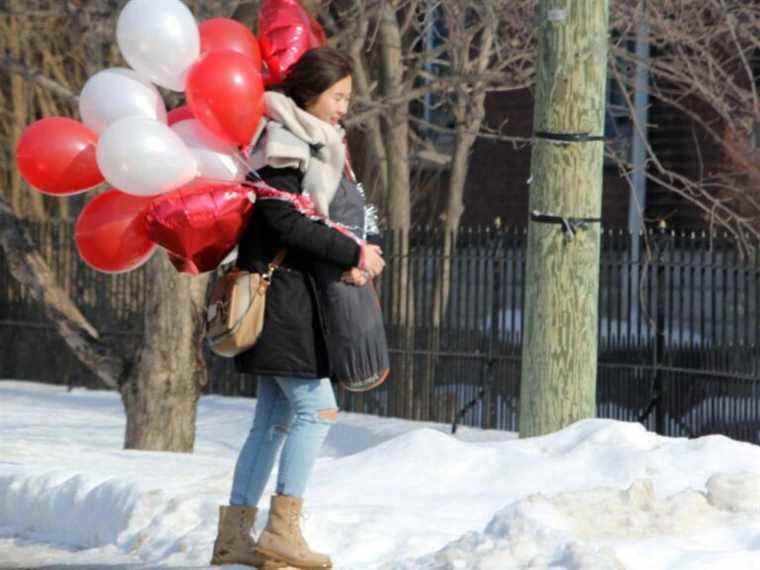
[372, 266]
[355, 276]
[372, 259]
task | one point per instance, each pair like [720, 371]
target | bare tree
[483, 39]
[705, 66]
[45, 68]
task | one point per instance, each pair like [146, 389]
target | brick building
[497, 180]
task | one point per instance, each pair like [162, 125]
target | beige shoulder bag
[235, 313]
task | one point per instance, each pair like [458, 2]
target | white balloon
[115, 93]
[159, 39]
[144, 157]
[216, 158]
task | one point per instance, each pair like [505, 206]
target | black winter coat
[293, 339]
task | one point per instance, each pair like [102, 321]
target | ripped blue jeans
[296, 411]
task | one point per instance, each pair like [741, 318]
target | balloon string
[242, 161]
[238, 155]
[215, 181]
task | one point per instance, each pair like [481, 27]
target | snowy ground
[385, 495]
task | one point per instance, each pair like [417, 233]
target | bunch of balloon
[158, 162]
[125, 137]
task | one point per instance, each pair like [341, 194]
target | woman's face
[332, 104]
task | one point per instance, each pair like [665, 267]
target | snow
[386, 494]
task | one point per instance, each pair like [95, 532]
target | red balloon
[226, 93]
[286, 32]
[178, 114]
[110, 232]
[224, 33]
[200, 223]
[56, 155]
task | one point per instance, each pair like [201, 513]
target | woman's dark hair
[317, 70]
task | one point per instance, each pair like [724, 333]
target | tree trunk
[397, 123]
[465, 140]
[562, 276]
[375, 162]
[162, 393]
[470, 56]
[469, 111]
[399, 214]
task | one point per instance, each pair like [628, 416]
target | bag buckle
[268, 275]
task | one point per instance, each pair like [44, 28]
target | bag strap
[275, 264]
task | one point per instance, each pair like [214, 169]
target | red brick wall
[496, 185]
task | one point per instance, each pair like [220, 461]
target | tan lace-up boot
[234, 543]
[281, 544]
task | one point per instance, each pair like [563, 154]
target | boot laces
[295, 522]
[245, 527]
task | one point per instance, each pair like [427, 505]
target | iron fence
[678, 343]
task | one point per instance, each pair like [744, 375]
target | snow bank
[597, 530]
[607, 528]
[386, 494]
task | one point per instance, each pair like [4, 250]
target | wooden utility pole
[562, 274]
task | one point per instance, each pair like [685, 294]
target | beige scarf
[297, 139]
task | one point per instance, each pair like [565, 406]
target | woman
[299, 152]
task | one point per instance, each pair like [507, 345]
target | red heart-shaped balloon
[286, 32]
[200, 223]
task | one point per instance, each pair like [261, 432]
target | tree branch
[13, 66]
